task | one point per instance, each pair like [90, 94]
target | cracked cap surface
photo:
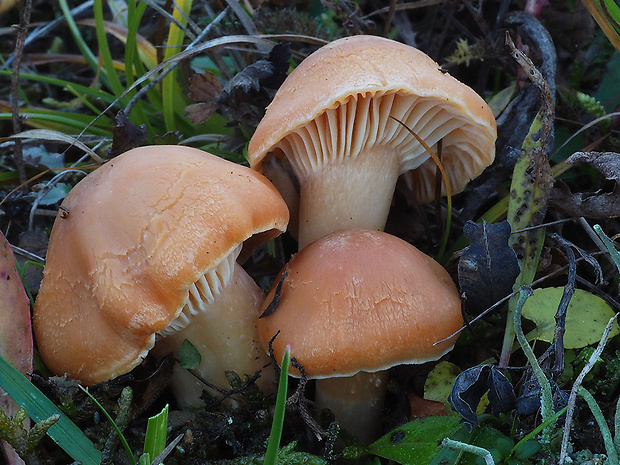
[140, 230]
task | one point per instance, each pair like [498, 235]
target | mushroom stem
[224, 334]
[337, 196]
[356, 401]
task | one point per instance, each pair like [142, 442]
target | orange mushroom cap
[342, 99]
[360, 300]
[136, 234]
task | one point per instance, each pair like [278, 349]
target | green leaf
[586, 316]
[156, 434]
[416, 442]
[65, 433]
[439, 383]
[189, 357]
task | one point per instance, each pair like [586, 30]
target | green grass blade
[278, 415]
[84, 90]
[69, 123]
[104, 50]
[156, 434]
[170, 84]
[132, 59]
[65, 433]
[611, 248]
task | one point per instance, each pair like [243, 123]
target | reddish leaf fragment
[15, 330]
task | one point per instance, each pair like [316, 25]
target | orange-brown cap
[133, 236]
[360, 300]
[339, 101]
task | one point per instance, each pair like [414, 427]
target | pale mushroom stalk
[337, 197]
[356, 401]
[218, 318]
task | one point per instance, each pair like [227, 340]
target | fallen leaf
[15, 330]
[469, 387]
[488, 267]
[126, 135]
[607, 163]
[204, 89]
[588, 205]
[439, 383]
[420, 407]
[248, 93]
[586, 316]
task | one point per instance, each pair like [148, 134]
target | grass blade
[65, 433]
[104, 49]
[278, 416]
[173, 46]
[156, 433]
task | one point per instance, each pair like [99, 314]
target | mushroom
[335, 119]
[353, 304]
[145, 249]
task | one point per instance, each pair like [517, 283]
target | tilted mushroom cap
[361, 300]
[341, 99]
[132, 238]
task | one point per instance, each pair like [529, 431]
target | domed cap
[342, 99]
[360, 300]
[131, 239]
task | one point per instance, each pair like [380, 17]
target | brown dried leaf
[204, 89]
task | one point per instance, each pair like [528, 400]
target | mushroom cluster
[144, 253]
[355, 301]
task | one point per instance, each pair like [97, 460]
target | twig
[572, 398]
[388, 21]
[25, 8]
[556, 349]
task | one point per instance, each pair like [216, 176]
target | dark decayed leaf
[607, 163]
[488, 267]
[529, 400]
[248, 93]
[588, 205]
[126, 135]
[469, 387]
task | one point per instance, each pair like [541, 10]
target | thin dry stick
[25, 7]
[388, 21]
[573, 393]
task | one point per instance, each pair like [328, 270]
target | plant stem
[461, 446]
[546, 400]
[612, 453]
